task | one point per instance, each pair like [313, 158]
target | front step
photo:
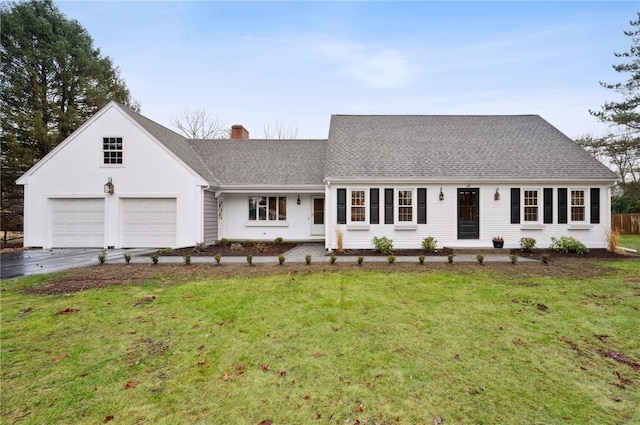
[478, 250]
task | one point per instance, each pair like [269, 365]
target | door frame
[476, 222]
[316, 228]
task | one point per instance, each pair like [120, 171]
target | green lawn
[479, 345]
[630, 241]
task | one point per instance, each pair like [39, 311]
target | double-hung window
[358, 206]
[531, 205]
[405, 206]
[267, 208]
[112, 150]
[577, 205]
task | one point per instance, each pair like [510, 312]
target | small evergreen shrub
[281, 259]
[250, 259]
[391, 259]
[421, 259]
[450, 258]
[360, 260]
[383, 244]
[429, 244]
[307, 259]
[568, 244]
[513, 258]
[248, 243]
[200, 247]
[217, 257]
[480, 259]
[127, 258]
[225, 242]
[187, 259]
[544, 258]
[103, 256]
[332, 258]
[278, 241]
[154, 257]
[527, 244]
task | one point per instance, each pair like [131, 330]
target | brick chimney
[238, 132]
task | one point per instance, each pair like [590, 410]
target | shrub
[154, 257]
[450, 258]
[383, 244]
[613, 239]
[278, 241]
[225, 242]
[103, 256]
[281, 259]
[200, 247]
[527, 244]
[421, 259]
[391, 259]
[187, 259]
[217, 257]
[360, 260]
[568, 244]
[332, 258]
[260, 247]
[127, 258]
[544, 258]
[339, 239]
[429, 244]
[248, 243]
[513, 258]
[165, 250]
[250, 259]
[480, 259]
[236, 246]
[307, 259]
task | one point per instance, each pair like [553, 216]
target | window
[577, 205]
[530, 205]
[358, 206]
[112, 150]
[405, 205]
[267, 208]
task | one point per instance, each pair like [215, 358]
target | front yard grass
[630, 241]
[474, 345]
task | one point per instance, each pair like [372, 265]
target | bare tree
[620, 149]
[280, 131]
[198, 124]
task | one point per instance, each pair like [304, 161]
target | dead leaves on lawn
[67, 310]
[131, 384]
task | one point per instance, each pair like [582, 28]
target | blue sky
[255, 63]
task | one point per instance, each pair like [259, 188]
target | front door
[468, 214]
[317, 216]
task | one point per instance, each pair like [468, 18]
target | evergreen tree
[53, 79]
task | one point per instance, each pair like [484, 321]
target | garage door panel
[148, 222]
[77, 223]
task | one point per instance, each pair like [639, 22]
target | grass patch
[468, 346]
[630, 241]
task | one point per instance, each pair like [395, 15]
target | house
[123, 180]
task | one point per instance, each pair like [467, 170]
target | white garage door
[77, 223]
[148, 222]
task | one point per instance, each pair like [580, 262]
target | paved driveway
[38, 261]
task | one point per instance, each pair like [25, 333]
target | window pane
[577, 205]
[272, 208]
[262, 208]
[405, 205]
[252, 208]
[358, 206]
[577, 213]
[282, 208]
[531, 205]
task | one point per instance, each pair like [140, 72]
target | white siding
[210, 217]
[495, 219]
[234, 221]
[148, 170]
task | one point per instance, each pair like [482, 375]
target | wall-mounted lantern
[298, 201]
[441, 197]
[496, 196]
[109, 187]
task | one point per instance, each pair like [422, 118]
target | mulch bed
[592, 254]
[396, 252]
[256, 249]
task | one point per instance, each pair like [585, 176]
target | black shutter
[562, 205]
[595, 205]
[342, 206]
[388, 206]
[548, 205]
[374, 213]
[515, 205]
[422, 205]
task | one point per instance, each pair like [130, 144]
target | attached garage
[147, 222]
[77, 223]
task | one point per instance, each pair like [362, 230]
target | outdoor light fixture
[108, 187]
[496, 196]
[298, 201]
[441, 197]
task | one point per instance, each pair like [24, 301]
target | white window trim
[540, 207]
[586, 221]
[405, 225]
[102, 151]
[358, 225]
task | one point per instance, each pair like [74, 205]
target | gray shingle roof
[455, 147]
[174, 142]
[263, 162]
